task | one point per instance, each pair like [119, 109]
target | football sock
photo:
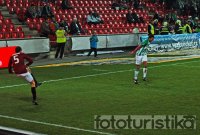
[136, 74]
[34, 79]
[33, 90]
[144, 72]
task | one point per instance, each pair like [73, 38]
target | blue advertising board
[166, 43]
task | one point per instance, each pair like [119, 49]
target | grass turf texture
[172, 88]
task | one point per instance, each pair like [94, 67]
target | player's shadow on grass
[27, 99]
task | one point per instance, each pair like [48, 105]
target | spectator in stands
[38, 11]
[151, 29]
[52, 1]
[140, 19]
[132, 17]
[93, 44]
[178, 27]
[97, 16]
[169, 4]
[191, 21]
[192, 9]
[91, 19]
[196, 22]
[136, 4]
[173, 17]
[66, 5]
[197, 29]
[164, 30]
[171, 28]
[31, 12]
[129, 17]
[45, 30]
[156, 28]
[64, 24]
[75, 27]
[187, 27]
[118, 5]
[46, 11]
[53, 26]
[61, 40]
[156, 16]
[45, 1]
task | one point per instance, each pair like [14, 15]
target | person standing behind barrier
[164, 30]
[61, 40]
[178, 27]
[151, 29]
[187, 27]
[93, 44]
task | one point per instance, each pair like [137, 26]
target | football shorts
[140, 59]
[28, 77]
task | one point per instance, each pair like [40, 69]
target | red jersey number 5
[16, 59]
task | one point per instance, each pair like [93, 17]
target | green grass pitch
[85, 91]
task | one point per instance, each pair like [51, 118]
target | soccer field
[72, 95]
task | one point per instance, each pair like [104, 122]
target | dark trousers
[60, 49]
[91, 50]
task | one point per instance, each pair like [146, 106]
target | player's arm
[135, 50]
[29, 59]
[10, 70]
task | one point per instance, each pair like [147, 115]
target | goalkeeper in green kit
[141, 58]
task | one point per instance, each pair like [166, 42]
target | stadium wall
[106, 41]
[29, 46]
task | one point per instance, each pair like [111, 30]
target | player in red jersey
[17, 65]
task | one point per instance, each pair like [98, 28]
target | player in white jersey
[141, 58]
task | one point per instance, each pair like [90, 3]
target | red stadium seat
[21, 34]
[14, 34]
[1, 35]
[28, 20]
[31, 26]
[19, 28]
[7, 35]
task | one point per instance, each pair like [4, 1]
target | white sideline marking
[55, 125]
[101, 70]
[85, 76]
[189, 66]
[18, 131]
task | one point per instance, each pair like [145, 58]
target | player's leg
[36, 82]
[33, 91]
[62, 50]
[90, 52]
[30, 79]
[136, 73]
[95, 52]
[58, 50]
[145, 67]
[137, 68]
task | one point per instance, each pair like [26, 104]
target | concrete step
[2, 8]
[17, 23]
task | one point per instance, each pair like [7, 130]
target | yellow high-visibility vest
[185, 28]
[60, 34]
[152, 29]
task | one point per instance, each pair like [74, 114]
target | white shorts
[28, 77]
[140, 59]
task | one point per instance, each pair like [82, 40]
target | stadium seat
[19, 28]
[1, 35]
[2, 2]
[7, 35]
[31, 26]
[14, 34]
[21, 34]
